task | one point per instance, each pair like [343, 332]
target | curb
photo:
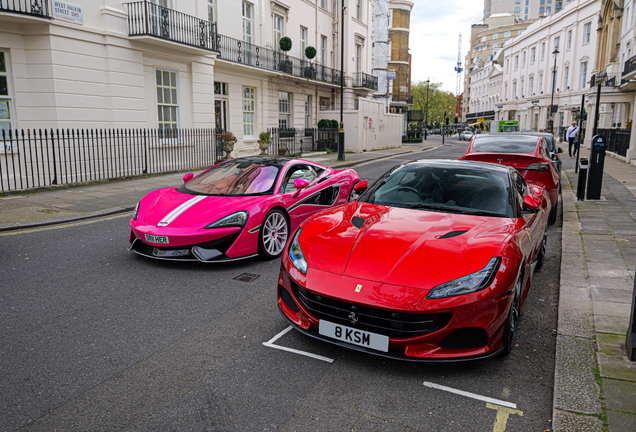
[115, 210]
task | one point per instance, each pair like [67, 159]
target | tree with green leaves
[438, 101]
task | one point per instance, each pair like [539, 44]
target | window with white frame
[167, 84]
[530, 86]
[523, 93]
[524, 59]
[211, 14]
[507, 65]
[506, 90]
[514, 90]
[543, 51]
[359, 9]
[587, 33]
[557, 42]
[284, 110]
[249, 111]
[323, 50]
[569, 40]
[516, 62]
[566, 73]
[308, 111]
[358, 59]
[540, 83]
[6, 113]
[583, 74]
[323, 4]
[278, 31]
[247, 22]
[507, 34]
[533, 53]
[303, 42]
[495, 36]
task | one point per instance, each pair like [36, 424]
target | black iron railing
[617, 140]
[38, 8]
[37, 158]
[148, 19]
[630, 65]
[299, 141]
[238, 51]
[402, 98]
[606, 80]
[360, 79]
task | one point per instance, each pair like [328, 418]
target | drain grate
[247, 277]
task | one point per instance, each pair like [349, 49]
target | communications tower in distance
[458, 69]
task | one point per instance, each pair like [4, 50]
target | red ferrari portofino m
[529, 153]
[432, 263]
[236, 209]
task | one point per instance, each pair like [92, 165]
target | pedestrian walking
[572, 136]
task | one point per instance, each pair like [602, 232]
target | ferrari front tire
[273, 235]
[510, 329]
[541, 257]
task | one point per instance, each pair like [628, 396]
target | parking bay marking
[270, 344]
[62, 226]
[504, 409]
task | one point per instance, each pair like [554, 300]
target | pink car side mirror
[362, 186]
[187, 177]
[300, 183]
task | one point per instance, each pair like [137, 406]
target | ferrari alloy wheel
[274, 234]
[510, 329]
[541, 257]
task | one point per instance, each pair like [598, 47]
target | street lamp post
[551, 117]
[341, 154]
[428, 81]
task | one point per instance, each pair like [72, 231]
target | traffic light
[447, 120]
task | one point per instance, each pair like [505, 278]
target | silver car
[466, 135]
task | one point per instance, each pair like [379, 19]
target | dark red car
[528, 153]
[433, 263]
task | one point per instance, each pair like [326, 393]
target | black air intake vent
[357, 222]
[452, 234]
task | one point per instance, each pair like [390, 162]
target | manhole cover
[247, 277]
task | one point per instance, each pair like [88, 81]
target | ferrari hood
[168, 207]
[412, 248]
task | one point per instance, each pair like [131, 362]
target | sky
[435, 28]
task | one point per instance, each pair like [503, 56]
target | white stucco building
[528, 67]
[190, 64]
[485, 87]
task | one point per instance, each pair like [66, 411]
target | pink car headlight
[237, 219]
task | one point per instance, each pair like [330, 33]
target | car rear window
[505, 144]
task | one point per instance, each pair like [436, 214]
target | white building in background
[525, 9]
[190, 64]
[485, 85]
[528, 66]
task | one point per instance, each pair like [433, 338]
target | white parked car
[466, 135]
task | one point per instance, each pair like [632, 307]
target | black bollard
[580, 187]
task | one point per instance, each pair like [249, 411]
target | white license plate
[354, 336]
[157, 239]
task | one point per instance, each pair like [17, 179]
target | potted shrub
[285, 65]
[264, 140]
[310, 72]
[228, 143]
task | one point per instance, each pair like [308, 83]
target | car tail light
[538, 167]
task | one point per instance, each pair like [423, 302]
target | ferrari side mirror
[361, 186]
[187, 177]
[531, 202]
[300, 183]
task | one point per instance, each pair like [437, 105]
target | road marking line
[270, 344]
[470, 395]
[53, 227]
[391, 157]
[502, 416]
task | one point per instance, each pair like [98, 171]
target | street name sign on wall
[391, 75]
[68, 12]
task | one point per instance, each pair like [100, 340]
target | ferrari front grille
[395, 324]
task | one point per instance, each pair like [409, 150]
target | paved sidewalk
[595, 383]
[75, 202]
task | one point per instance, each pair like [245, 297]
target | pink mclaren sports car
[236, 209]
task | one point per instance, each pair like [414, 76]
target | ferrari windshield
[234, 178]
[505, 144]
[446, 188]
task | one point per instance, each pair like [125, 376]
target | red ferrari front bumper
[462, 328]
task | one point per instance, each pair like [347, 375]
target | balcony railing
[237, 51]
[360, 79]
[630, 66]
[38, 8]
[402, 98]
[148, 19]
[607, 80]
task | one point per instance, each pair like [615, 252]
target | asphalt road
[95, 338]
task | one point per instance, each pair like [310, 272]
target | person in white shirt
[571, 135]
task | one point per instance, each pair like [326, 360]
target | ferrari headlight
[467, 284]
[296, 255]
[136, 211]
[237, 219]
